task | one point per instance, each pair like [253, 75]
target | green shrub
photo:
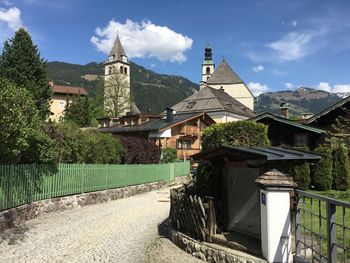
[103, 148]
[168, 155]
[77, 146]
[244, 133]
[208, 180]
[322, 174]
[301, 173]
[341, 169]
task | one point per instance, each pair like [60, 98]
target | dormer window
[111, 58]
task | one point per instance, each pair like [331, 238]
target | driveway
[124, 230]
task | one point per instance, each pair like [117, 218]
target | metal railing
[322, 233]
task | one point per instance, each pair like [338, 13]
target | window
[183, 144]
[62, 104]
[207, 70]
[125, 71]
[300, 140]
[121, 70]
[109, 70]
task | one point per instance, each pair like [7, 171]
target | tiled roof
[154, 125]
[211, 100]
[224, 74]
[68, 90]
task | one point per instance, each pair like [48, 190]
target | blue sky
[271, 44]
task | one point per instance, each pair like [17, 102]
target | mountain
[301, 100]
[152, 92]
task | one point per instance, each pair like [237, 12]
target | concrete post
[276, 237]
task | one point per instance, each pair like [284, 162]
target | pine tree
[341, 169]
[20, 63]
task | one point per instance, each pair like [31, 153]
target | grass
[313, 216]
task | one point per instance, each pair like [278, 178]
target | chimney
[169, 114]
[51, 83]
[222, 88]
[284, 110]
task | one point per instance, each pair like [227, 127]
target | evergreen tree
[20, 62]
[322, 177]
[301, 173]
[78, 111]
[341, 169]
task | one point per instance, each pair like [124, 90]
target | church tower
[208, 66]
[117, 81]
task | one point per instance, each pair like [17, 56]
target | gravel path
[124, 230]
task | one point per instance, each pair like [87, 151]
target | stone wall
[18, 215]
[207, 252]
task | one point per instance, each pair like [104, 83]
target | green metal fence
[22, 184]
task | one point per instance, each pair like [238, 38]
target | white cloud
[257, 88]
[143, 39]
[294, 23]
[6, 2]
[324, 86]
[258, 68]
[335, 89]
[289, 85]
[291, 47]
[11, 18]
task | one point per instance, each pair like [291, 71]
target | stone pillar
[276, 237]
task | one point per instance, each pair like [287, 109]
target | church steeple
[117, 53]
[208, 65]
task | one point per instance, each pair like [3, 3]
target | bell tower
[117, 73]
[208, 65]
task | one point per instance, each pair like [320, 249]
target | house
[241, 166]
[285, 132]
[219, 105]
[180, 131]
[61, 95]
[223, 77]
[334, 119]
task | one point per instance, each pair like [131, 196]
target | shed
[241, 166]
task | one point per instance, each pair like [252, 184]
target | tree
[21, 133]
[341, 169]
[79, 111]
[20, 62]
[168, 155]
[301, 173]
[117, 95]
[322, 176]
[244, 133]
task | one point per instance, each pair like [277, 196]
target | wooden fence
[22, 184]
[189, 214]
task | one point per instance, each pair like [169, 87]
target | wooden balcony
[189, 130]
[181, 153]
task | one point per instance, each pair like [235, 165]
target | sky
[271, 44]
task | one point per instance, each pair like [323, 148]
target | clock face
[110, 58]
[125, 59]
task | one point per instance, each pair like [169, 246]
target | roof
[267, 115]
[275, 178]
[117, 49]
[212, 100]
[328, 110]
[224, 74]
[68, 90]
[273, 153]
[155, 125]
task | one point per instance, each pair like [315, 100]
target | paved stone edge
[18, 215]
[204, 252]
